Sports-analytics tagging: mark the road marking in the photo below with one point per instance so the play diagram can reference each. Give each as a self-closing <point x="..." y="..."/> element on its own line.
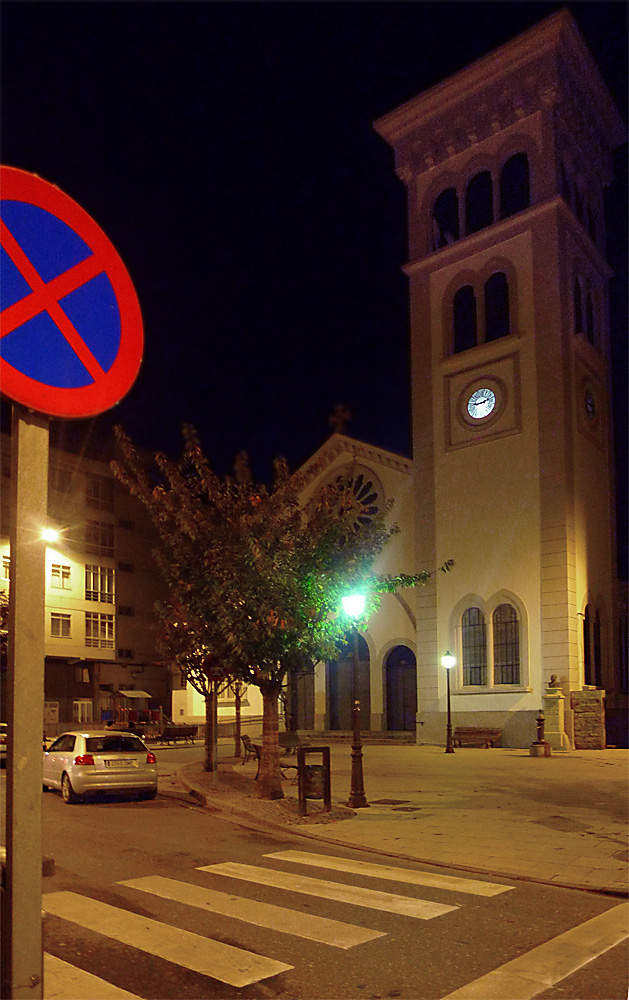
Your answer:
<point x="549" y="963"/>
<point x="406" y="875"/>
<point x="192" y="951"/>
<point x="63" y="981"/>
<point x="375" y="900"/>
<point x="276" y="918"/>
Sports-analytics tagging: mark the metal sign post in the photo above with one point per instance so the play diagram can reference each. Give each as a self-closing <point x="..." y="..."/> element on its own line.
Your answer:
<point x="22" y="958"/>
<point x="70" y="346"/>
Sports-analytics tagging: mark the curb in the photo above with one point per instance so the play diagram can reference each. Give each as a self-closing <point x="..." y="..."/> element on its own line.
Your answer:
<point x="262" y="825"/>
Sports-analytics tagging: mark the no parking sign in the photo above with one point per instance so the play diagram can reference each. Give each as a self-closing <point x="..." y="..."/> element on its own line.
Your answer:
<point x="70" y="323"/>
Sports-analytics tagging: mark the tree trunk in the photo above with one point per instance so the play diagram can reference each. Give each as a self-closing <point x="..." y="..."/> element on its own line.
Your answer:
<point x="270" y="777"/>
<point x="210" y="763"/>
<point x="237" y="734"/>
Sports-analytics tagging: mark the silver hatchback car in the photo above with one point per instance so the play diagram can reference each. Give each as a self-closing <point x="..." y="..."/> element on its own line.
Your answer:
<point x="81" y="762"/>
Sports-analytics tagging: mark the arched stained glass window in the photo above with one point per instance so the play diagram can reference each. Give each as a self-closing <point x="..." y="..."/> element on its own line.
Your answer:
<point x="497" y="307"/>
<point x="515" y="194"/>
<point x="474" y="647"/>
<point x="445" y="219"/>
<point x="506" y="636"/>
<point x="465" y="334"/>
<point x="479" y="207"/>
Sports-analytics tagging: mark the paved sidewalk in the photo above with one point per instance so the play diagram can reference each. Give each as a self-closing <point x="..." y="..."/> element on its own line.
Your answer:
<point x="561" y="820"/>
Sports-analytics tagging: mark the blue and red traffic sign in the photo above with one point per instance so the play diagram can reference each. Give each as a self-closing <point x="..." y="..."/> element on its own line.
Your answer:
<point x="70" y="322"/>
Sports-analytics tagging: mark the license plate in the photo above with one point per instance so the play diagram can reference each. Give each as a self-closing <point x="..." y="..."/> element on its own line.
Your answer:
<point x="125" y="762"/>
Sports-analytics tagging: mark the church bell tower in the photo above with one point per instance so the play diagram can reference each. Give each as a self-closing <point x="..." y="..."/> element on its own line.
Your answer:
<point x="506" y="165"/>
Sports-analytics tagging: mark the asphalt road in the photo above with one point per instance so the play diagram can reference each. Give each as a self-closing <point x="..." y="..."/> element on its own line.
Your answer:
<point x="100" y="844"/>
<point x="417" y="955"/>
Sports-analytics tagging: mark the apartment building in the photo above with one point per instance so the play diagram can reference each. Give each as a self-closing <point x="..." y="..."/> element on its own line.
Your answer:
<point x="101" y="587"/>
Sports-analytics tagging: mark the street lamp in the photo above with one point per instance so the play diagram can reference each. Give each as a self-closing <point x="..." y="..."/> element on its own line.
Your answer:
<point x="50" y="535"/>
<point x="354" y="606"/>
<point x="448" y="661"/>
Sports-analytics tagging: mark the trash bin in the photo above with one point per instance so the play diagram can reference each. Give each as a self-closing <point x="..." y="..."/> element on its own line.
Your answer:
<point x="313" y="781"/>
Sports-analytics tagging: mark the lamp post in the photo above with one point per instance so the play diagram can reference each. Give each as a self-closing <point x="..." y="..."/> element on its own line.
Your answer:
<point x="448" y="661"/>
<point x="354" y="606"/>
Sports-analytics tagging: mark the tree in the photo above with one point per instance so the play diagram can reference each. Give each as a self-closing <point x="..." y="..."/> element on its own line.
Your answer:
<point x="254" y="577"/>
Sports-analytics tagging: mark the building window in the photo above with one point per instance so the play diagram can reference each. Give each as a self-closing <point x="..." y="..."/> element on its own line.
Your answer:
<point x="60" y="480"/>
<point x="126" y="609"/>
<point x="445" y="219"/>
<point x="99" y="584"/>
<point x="100" y="492"/>
<point x="99" y="538"/>
<point x="479" y="211"/>
<point x="6" y="567"/>
<point x="125" y="567"/>
<point x="124" y="523"/>
<point x="99" y="630"/>
<point x="497" y="307"/>
<point x="464" y="319"/>
<point x="82" y="711"/>
<point x="515" y="192"/>
<point x="60" y="625"/>
<point x="506" y="642"/>
<point x="592" y="661"/>
<point x="60" y="576"/>
<point x="474" y="647"/>
<point x="125" y="654"/>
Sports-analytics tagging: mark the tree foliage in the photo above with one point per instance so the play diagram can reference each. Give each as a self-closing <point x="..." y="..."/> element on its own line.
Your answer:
<point x="254" y="577"/>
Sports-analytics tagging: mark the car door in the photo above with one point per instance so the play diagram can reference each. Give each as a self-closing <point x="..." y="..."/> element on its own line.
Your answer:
<point x="56" y="759"/>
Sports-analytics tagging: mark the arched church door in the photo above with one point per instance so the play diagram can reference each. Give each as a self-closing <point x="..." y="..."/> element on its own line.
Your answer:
<point x="401" y="679"/>
<point x="340" y="683"/>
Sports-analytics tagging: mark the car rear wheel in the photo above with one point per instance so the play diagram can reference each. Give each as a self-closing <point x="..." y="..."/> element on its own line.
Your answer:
<point x="67" y="792"/>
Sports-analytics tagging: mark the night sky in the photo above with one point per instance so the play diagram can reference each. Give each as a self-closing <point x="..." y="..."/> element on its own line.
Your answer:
<point x="227" y="150"/>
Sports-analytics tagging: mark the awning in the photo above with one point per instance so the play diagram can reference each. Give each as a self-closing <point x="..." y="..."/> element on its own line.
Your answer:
<point x="134" y="694"/>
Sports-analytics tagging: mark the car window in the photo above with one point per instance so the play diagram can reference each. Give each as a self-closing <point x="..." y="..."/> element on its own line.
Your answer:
<point x="114" y="744"/>
<point x="65" y="742"/>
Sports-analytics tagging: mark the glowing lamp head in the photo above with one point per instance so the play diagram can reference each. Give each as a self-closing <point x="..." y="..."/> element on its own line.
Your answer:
<point x="50" y="535"/>
<point x="354" y="605"/>
<point x="448" y="660"/>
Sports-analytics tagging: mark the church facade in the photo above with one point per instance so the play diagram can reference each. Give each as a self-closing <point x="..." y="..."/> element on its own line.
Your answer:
<point x="505" y="165"/>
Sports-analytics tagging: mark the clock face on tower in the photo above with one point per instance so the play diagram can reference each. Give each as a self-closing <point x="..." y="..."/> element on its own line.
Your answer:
<point x="481" y="403"/>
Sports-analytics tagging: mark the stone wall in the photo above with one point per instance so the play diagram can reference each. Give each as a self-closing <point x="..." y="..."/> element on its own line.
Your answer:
<point x="588" y="707"/>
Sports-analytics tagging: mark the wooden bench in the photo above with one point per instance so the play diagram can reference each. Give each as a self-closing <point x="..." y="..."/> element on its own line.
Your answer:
<point x="476" y="736"/>
<point x="252" y="750"/>
<point x="173" y="733"/>
<point x="290" y="741"/>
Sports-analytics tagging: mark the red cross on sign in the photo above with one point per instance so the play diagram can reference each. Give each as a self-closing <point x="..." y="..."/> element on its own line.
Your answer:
<point x="70" y="324"/>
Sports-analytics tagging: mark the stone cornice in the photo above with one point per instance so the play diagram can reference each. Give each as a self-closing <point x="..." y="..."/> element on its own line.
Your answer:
<point x="340" y="444"/>
<point x="546" y="67"/>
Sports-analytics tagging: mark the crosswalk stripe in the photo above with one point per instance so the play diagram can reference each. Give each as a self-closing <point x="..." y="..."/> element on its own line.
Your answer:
<point x="539" y="969"/>
<point x="200" y="954"/>
<point x="63" y="981"/>
<point x="276" y="918"/>
<point x="375" y="900"/>
<point x="392" y="874"/>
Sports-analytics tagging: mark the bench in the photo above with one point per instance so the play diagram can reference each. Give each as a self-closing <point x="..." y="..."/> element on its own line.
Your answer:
<point x="476" y="736"/>
<point x="290" y="741"/>
<point x="253" y="751"/>
<point x="173" y="733"/>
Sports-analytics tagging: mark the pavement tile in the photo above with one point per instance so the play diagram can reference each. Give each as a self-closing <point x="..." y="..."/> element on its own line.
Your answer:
<point x="496" y="811"/>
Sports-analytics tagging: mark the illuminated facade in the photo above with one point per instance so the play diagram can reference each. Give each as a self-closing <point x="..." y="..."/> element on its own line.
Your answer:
<point x="101" y="586"/>
<point x="506" y="165"/>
